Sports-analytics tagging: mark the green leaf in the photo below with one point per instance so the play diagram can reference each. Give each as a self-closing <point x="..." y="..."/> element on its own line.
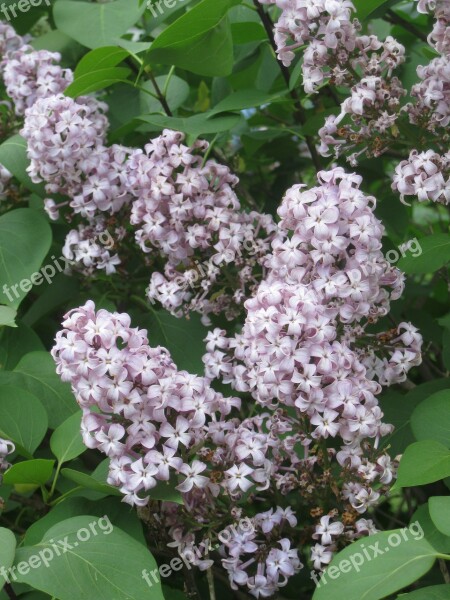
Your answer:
<point x="440" y="513"/>
<point x="435" y="254"/>
<point x="395" y="561"/>
<point x="121" y="515"/>
<point x="244" y="33"/>
<point x="438" y="540"/>
<point x="434" y="592"/>
<point x="62" y="290"/>
<point x="372" y="8"/>
<point x="96" y="80"/>
<point x="66" y="442"/>
<point x="100" y="58"/>
<point x="243" y="99"/>
<point x="25" y="238"/>
<point x="37" y="471"/>
<point x="22" y="417"/>
<point x="199" y="41"/>
<point x="177" y="335"/>
<point x="8" y="316"/>
<point x="165" y="490"/>
<point x="15" y="343"/>
<point x="431" y="419"/>
<point x="37" y="373"/>
<point x="177" y="92"/>
<point x="13" y="155"/>
<point x="105" y="566"/>
<point x="7" y="550"/>
<point x="423" y="462"/>
<point x="96" y="24"/>
<point x="196" y="125"/>
<point x="88" y="482"/>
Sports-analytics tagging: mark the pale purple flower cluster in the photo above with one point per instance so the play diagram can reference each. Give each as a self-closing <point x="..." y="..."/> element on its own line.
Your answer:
<point x="304" y="343"/>
<point x="370" y="114"/>
<point x="439" y="38"/>
<point x="188" y="213"/>
<point x="65" y="140"/>
<point x="9" y="40"/>
<point x="6" y="448"/>
<point x="325" y="27"/>
<point x="257" y="558"/>
<point x="83" y="246"/>
<point x="334" y="49"/>
<point x="31" y="74"/>
<point x="148" y="415"/>
<point x="432" y="107"/>
<point x="307" y="315"/>
<point x="425" y="175"/>
<point x="5" y="178"/>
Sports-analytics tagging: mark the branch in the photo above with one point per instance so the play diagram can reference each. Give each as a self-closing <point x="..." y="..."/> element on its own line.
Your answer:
<point x="160" y="95"/>
<point x="299" y="114"/>
<point x="444" y="570"/>
<point x="10" y="592"/>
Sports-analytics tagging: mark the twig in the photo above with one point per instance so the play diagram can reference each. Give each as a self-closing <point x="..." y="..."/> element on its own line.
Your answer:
<point x="160" y="95"/>
<point x="212" y="589"/>
<point x="10" y="592"/>
<point x="444" y="570"/>
<point x="299" y="114"/>
<point x="395" y="19"/>
<point x="190" y="585"/>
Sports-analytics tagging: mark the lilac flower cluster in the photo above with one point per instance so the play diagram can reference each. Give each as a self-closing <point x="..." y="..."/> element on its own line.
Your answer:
<point x="30" y="74"/>
<point x="272" y="560"/>
<point x="65" y="141"/>
<point x="325" y="27"/>
<point x="5" y="178"/>
<point x="189" y="214"/>
<point x="370" y="115"/>
<point x="324" y="278"/>
<point x="334" y="49"/>
<point x="424" y="175"/>
<point x="6" y="448"/>
<point x="150" y="414"/>
<point x="304" y="342"/>
<point x="368" y="119"/>
<point x="432" y="107"/>
<point x="439" y="38"/>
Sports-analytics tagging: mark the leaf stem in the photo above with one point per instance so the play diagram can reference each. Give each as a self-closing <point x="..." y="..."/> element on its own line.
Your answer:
<point x="167" y="82"/>
<point x="10" y="592"/>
